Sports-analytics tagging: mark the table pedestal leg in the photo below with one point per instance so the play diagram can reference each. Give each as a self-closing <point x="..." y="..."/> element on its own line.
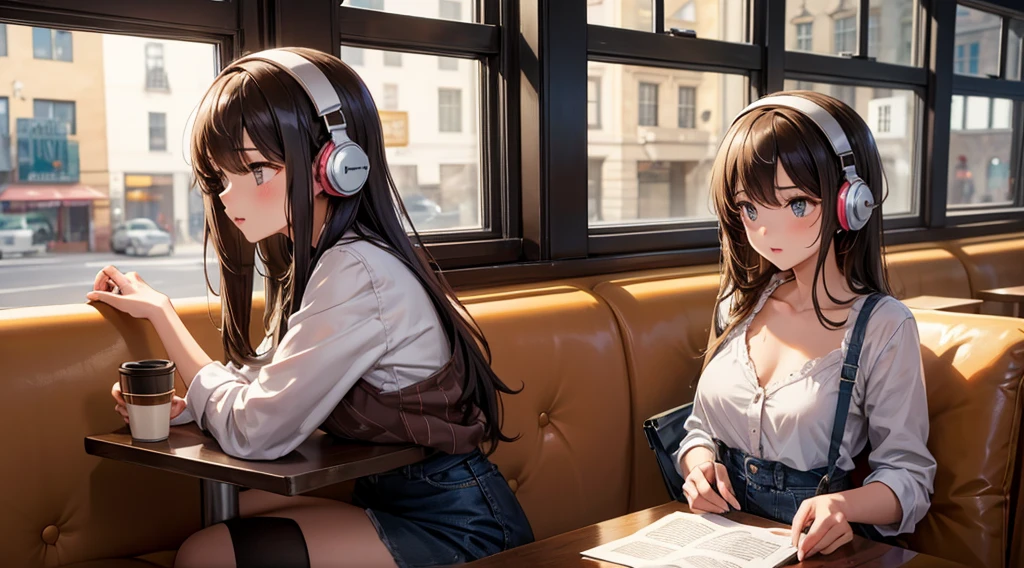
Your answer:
<point x="219" y="501"/>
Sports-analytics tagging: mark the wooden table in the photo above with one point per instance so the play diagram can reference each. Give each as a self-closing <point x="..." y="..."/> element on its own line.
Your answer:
<point x="965" y="305"/>
<point x="563" y="551"/>
<point x="1012" y="294"/>
<point x="320" y="461"/>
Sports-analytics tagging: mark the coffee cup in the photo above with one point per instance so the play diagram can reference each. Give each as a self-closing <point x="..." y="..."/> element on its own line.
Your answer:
<point x="148" y="387"/>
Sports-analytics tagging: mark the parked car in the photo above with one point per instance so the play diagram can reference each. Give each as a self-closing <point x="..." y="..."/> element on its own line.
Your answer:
<point x="140" y="236"/>
<point x="24" y="233"/>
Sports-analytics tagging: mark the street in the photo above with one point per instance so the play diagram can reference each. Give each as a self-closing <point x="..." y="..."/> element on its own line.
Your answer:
<point x="50" y="279"/>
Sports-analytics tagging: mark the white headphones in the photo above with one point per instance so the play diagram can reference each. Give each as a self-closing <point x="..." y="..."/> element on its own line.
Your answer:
<point x="855" y="202"/>
<point x="341" y="166"/>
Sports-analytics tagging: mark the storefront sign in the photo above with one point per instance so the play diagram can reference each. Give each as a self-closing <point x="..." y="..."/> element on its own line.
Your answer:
<point x="395" y="124"/>
<point x="44" y="152"/>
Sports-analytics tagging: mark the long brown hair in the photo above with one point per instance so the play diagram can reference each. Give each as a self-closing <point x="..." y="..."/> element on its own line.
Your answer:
<point x="282" y="122"/>
<point x="749" y="156"/>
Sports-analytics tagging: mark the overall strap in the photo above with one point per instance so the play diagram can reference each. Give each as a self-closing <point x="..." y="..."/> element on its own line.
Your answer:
<point x="847" y="378"/>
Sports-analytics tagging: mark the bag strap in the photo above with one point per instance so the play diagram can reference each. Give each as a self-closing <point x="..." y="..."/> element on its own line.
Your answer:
<point x="847" y="379"/>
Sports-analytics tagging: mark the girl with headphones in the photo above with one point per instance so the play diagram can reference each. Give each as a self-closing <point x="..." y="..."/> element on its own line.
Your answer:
<point x="363" y="338"/>
<point x="811" y="360"/>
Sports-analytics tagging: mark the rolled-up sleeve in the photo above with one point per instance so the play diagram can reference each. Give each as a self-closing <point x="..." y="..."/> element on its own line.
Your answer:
<point x="332" y="341"/>
<point x="696" y="435"/>
<point x="896" y="407"/>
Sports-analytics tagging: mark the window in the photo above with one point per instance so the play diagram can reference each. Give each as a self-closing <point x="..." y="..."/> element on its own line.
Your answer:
<point x="448" y="63"/>
<point x="156" y="75"/>
<point x="352" y="55"/>
<point x="390" y="96"/>
<point x="3" y="40"/>
<point x="711" y="19"/>
<point x="60" y="110"/>
<point x="450" y="10"/>
<point x="392" y="59"/>
<point x="449" y="110"/>
<point x="977" y="40"/>
<point x="846" y="35"/>
<point x="643" y="176"/>
<point x="5" y="118"/>
<point x="893" y="120"/>
<point x="648" y="108"/>
<point x="51" y="44"/>
<point x="687" y="13"/>
<point x="804" y="36"/>
<point x="687" y="107"/>
<point x="906" y="54"/>
<point x="594" y="102"/>
<point x="884" y="119"/>
<point x="873" y="33"/>
<point x="157" y="132"/>
<point x="370" y="4"/>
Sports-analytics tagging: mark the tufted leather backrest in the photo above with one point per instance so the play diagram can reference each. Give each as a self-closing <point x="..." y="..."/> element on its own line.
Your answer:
<point x="562" y="345"/>
<point x="664" y="321"/>
<point x="974" y="369"/>
<point x="930" y="271"/>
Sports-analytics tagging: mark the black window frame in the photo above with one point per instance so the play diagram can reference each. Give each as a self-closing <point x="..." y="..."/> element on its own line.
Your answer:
<point x="534" y="126"/>
<point x="480" y="42"/>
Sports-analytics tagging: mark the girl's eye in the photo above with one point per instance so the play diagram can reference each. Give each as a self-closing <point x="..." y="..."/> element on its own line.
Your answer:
<point x="749" y="210"/>
<point x="800" y="207"/>
<point x="263" y="172"/>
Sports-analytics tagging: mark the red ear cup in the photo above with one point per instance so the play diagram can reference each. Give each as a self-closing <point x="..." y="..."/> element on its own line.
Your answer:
<point x="320" y="168"/>
<point x="841" y="206"/>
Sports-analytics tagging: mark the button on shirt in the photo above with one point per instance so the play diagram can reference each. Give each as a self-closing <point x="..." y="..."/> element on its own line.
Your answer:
<point x="790" y="420"/>
<point x="364" y="315"/>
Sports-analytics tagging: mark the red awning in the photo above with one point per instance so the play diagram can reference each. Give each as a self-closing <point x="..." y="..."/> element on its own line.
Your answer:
<point x="34" y="192"/>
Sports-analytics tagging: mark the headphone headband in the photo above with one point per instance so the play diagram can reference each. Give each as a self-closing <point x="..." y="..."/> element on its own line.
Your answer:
<point x="309" y="77"/>
<point x="819" y="116"/>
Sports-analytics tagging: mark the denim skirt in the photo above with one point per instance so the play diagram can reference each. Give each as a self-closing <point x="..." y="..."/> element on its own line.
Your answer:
<point x="447" y="509"/>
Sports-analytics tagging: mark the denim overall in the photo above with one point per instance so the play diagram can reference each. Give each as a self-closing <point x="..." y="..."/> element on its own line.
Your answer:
<point x="773" y="490"/>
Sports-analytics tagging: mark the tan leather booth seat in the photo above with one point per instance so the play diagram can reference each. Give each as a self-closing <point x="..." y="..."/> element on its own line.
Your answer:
<point x="664" y="323"/>
<point x="992" y="263"/>
<point x="562" y="346"/>
<point x="974" y="368"/>
<point x="926" y="271"/>
<point x="595" y="357"/>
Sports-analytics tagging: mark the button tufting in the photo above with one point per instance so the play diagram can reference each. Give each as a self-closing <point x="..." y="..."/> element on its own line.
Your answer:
<point x="543" y="420"/>
<point x="513" y="485"/>
<point x="50" y="534"/>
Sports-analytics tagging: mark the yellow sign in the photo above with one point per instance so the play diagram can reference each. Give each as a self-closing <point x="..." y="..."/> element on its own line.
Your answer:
<point x="138" y="181"/>
<point x="395" y="124"/>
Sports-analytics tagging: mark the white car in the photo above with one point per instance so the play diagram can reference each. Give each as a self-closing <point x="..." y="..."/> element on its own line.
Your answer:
<point x="140" y="236"/>
<point x="22" y="233"/>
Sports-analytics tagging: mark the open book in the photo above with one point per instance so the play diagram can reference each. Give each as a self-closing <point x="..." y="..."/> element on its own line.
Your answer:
<point x="685" y="540"/>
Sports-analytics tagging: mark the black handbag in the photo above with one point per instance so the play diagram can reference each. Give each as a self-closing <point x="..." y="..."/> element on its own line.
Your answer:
<point x="664" y="432"/>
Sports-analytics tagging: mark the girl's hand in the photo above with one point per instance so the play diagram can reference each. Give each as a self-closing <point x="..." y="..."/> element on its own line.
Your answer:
<point x="829" y="527"/>
<point x="177" y="403"/>
<point x="700" y="493"/>
<point x="128" y="293"/>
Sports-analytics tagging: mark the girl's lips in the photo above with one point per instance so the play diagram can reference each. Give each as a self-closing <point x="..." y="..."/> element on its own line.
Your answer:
<point x="239" y="220"/>
<point x="776" y="250"/>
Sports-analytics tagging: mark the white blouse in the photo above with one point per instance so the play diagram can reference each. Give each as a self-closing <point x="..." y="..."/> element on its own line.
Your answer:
<point x="790" y="420"/>
<point x="364" y="315"/>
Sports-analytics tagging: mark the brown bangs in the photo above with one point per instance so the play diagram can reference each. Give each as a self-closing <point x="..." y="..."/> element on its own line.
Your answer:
<point x="762" y="141"/>
<point x="220" y="123"/>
